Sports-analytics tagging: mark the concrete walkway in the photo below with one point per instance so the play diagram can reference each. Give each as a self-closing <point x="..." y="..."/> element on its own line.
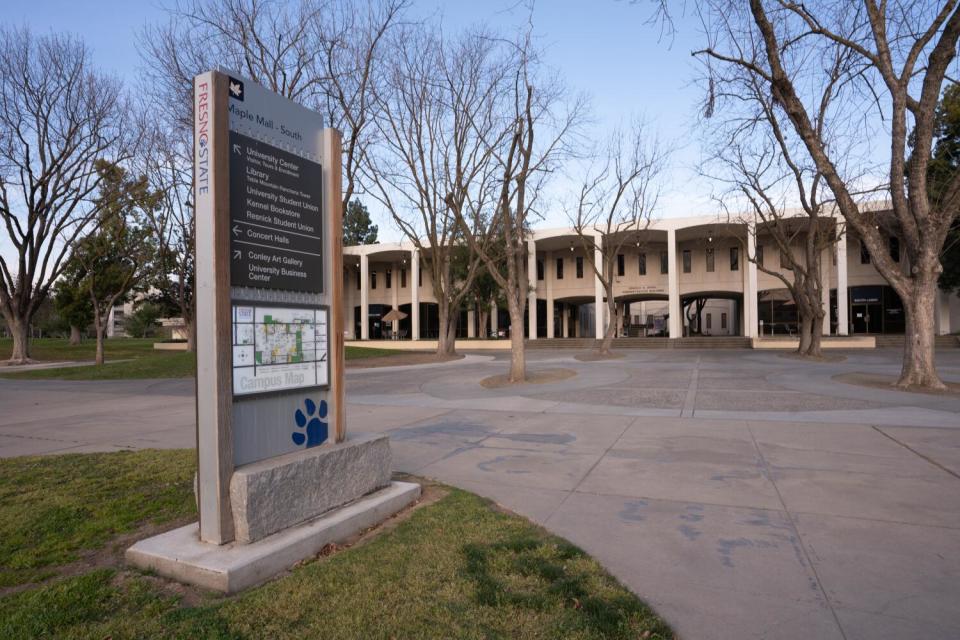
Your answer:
<point x="742" y="494"/>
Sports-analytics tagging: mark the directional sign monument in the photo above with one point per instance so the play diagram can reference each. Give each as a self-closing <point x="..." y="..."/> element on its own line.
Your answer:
<point x="276" y="475"/>
<point x="269" y="311"/>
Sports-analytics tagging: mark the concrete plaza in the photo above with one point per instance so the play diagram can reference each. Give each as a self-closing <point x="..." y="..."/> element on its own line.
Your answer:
<point x="743" y="494"/>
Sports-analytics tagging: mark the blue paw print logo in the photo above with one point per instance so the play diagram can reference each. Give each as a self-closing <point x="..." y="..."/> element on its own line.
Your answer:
<point x="311" y="420"/>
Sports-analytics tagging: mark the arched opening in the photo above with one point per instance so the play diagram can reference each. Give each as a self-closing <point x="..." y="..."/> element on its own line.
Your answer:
<point x="712" y="313"/>
<point x="573" y="317"/>
<point x="643" y="316"/>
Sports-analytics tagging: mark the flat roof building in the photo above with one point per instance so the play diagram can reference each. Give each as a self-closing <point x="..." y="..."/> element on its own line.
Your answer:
<point x="677" y="277"/>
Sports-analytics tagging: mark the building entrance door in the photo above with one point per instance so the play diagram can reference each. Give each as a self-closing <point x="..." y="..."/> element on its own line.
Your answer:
<point x="867" y="318"/>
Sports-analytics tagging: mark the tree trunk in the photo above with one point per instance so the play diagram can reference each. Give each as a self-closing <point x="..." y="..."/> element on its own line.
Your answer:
<point x="447" y="336"/>
<point x="20" y="332"/>
<point x="919" y="365"/>
<point x="191" y="330"/>
<point x="518" y="356"/>
<point x="75" y="336"/>
<point x="815" y="350"/>
<point x="101" y="328"/>
<point x="806" y="328"/>
<point x="611" y="329"/>
<point x="483" y="330"/>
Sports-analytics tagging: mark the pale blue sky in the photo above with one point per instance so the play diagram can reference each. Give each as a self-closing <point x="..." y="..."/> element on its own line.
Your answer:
<point x="601" y="47"/>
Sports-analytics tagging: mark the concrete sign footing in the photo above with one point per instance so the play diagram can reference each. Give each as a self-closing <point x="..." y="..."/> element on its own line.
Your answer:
<point x="229" y="568"/>
<point x="283" y="491"/>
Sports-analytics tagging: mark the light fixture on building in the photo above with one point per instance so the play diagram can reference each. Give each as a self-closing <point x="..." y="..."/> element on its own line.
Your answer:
<point x="571" y="245"/>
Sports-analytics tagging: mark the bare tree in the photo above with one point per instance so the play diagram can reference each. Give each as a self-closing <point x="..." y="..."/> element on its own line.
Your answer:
<point x="321" y="54"/>
<point x="614" y="205"/>
<point x="354" y="38"/>
<point x="58" y="116"/>
<point x="541" y="124"/>
<point x="900" y="54"/>
<point x="440" y="125"/>
<point x="766" y="166"/>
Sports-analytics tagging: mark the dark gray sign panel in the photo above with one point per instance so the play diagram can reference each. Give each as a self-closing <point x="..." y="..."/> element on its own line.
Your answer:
<point x="276" y="222"/>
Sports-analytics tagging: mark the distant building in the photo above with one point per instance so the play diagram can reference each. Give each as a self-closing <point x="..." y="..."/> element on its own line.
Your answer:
<point x="662" y="271"/>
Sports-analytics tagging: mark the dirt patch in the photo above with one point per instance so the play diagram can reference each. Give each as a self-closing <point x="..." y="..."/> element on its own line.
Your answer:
<point x="887" y="383"/>
<point x="596" y="356"/>
<point x="400" y="359"/>
<point x="535" y="377"/>
<point x="826" y="357"/>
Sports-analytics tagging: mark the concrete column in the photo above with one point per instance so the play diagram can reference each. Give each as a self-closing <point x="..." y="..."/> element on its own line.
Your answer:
<point x="532" y="284"/>
<point x="673" y="287"/>
<point x="826" y="258"/>
<point x="843" y="321"/>
<point x="599" y="325"/>
<point x="494" y="320"/>
<point x="750" y="317"/>
<point x="565" y="321"/>
<point x="364" y="297"/>
<point x="548" y="283"/>
<point x="394" y="286"/>
<point x="348" y="299"/>
<point x="471" y="323"/>
<point x="414" y="294"/>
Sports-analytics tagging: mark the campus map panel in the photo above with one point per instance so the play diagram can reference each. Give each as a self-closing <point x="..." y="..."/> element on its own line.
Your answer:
<point x="279" y="348"/>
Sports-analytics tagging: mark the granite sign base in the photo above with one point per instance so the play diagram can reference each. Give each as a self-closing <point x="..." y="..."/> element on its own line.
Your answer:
<point x="277" y="493"/>
<point x="230" y="568"/>
<point x="285" y="509"/>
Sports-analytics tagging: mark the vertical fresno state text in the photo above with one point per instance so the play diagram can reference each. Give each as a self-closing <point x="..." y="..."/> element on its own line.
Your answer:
<point x="202" y="125"/>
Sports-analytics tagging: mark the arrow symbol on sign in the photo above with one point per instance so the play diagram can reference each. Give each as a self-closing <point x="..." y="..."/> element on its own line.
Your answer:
<point x="236" y="148"/>
<point x="236" y="254"/>
<point x="236" y="230"/>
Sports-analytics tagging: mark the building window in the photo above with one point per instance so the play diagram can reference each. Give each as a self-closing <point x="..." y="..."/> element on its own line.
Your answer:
<point x="864" y="253"/>
<point x="539" y="269"/>
<point x="710" y="262"/>
<point x="784" y="260"/>
<point x="734" y="258"/>
<point x="723" y="320"/>
<point x="709" y="321"/>
<point x="579" y="266"/>
<point x="687" y="260"/>
<point x="420" y="276"/>
<point x="559" y="268"/>
<point x="358" y="279"/>
<point x="664" y="261"/>
<point x="389" y="278"/>
<point x="403" y="278"/>
<point x="642" y="263"/>
<point x="620" y="264"/>
<point x="373" y="279"/>
<point x="759" y="255"/>
<point x="895" y="248"/>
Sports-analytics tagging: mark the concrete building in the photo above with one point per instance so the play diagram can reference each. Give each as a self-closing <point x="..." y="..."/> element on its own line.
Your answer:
<point x="663" y="274"/>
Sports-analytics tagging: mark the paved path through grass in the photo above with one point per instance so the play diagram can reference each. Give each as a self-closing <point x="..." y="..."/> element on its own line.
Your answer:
<point x="783" y="504"/>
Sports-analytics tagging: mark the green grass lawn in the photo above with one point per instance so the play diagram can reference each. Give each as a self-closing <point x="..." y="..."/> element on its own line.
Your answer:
<point x="458" y="567"/>
<point x="140" y="360"/>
